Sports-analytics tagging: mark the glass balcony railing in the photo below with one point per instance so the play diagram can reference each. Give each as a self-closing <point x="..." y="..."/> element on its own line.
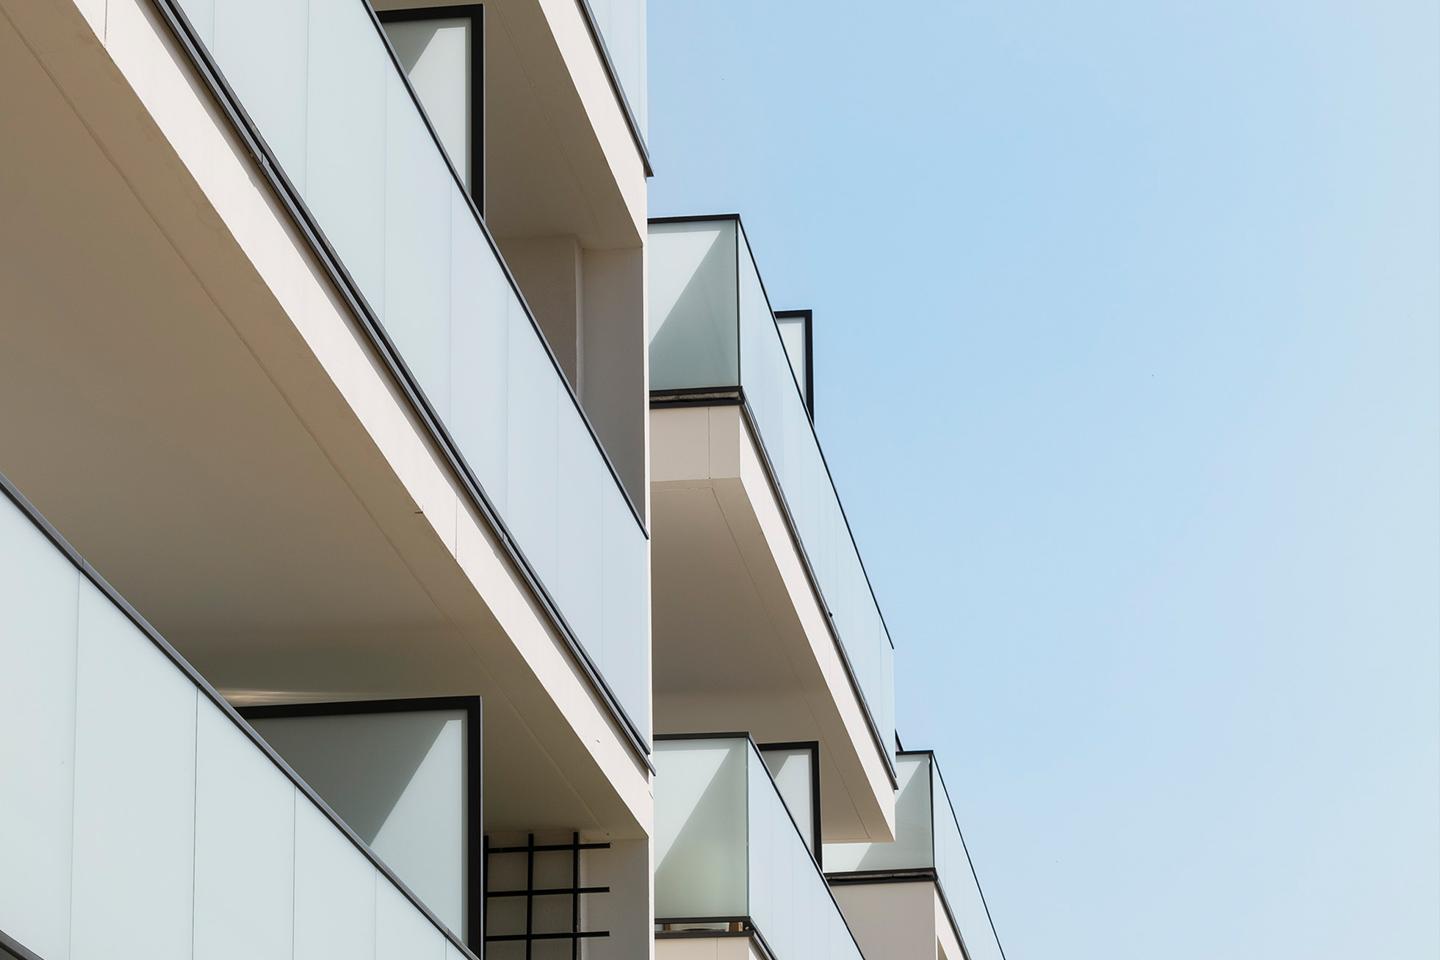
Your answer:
<point x="621" y="24"/>
<point x="727" y="851"/>
<point x="142" y="814"/>
<point x="320" y="84"/>
<point x="928" y="840"/>
<point x="712" y="329"/>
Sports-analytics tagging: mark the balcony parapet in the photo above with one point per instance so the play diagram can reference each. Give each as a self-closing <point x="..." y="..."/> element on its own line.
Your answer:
<point x="729" y="857"/>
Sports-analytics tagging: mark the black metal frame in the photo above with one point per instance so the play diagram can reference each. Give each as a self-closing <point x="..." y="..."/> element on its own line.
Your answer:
<point x="575" y="891"/>
<point x="807" y="318"/>
<point x="475" y="13"/>
<point x="814" y="747"/>
<point x="754" y="931"/>
<point x="389" y="355"/>
<point x="474" y="774"/>
<point x="734" y="395"/>
<point x="11" y="492"/>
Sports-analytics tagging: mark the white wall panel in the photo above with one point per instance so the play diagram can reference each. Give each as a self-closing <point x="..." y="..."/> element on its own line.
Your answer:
<point x="261" y="46"/>
<point x="334" y="891"/>
<point x="345" y="139"/>
<point x="417" y="245"/>
<point x="534" y="389"/>
<point x="134" y="791"/>
<point x="401" y="931"/>
<point x="481" y="304"/>
<point x="38" y="597"/>
<point x="244" y="846"/>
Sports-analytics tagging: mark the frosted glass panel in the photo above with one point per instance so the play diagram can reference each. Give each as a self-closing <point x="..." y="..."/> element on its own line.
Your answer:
<point x="531" y="455"/>
<point x="957" y="879"/>
<point x="244" y="846"/>
<point x="581" y="515"/>
<point x="38" y="595"/>
<point x="345" y="124"/>
<point x="134" y="791"/>
<point x="911" y="849"/>
<point x="417" y="245"/>
<point x="401" y="931"/>
<point x="693" y="338"/>
<point x="789" y="899"/>
<point x="481" y="304"/>
<point x="700" y="828"/>
<point x="436" y="57"/>
<point x="398" y="780"/>
<point x="792" y="335"/>
<point x="334" y="891"/>
<point x="725" y="847"/>
<point x="261" y="47"/>
<point x="793" y="769"/>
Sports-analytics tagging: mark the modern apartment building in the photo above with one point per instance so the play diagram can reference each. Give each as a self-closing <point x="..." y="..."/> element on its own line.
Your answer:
<point x="407" y="548"/>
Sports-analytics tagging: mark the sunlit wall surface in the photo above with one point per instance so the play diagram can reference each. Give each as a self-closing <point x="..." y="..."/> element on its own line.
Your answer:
<point x="726" y="848"/>
<point x="927" y="837"/>
<point x="142" y="816"/>
<point x="711" y="326"/>
<point x="318" y="80"/>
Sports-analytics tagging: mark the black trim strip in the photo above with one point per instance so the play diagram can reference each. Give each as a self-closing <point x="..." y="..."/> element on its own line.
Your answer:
<point x="389" y="355"/>
<point x="613" y="75"/>
<point x="474" y="773"/>
<point x="10" y="947"/>
<point x="210" y="693"/>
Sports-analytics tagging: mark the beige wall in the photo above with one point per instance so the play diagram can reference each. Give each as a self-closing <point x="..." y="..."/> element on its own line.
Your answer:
<point x="707" y="948"/>
<point x="895" y="921"/>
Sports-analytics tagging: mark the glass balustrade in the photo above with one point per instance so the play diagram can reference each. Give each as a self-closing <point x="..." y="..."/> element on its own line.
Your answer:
<point x="622" y="28"/>
<point x="712" y="328"/>
<point x="927" y="837"/>
<point x="317" y="79"/>
<point x="142" y="814"/>
<point x="727" y="850"/>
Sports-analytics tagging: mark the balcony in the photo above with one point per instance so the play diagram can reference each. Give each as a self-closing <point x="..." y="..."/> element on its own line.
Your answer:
<point x="369" y="169"/>
<point x="297" y="410"/>
<point x="928" y="849"/>
<point x="729" y="859"/>
<point x="143" y="815"/>
<point x="758" y="584"/>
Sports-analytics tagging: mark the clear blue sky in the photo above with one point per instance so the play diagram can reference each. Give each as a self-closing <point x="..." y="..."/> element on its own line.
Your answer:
<point x="1129" y="373"/>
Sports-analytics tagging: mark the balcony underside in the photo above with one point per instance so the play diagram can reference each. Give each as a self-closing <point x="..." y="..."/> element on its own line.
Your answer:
<point x="740" y="640"/>
<point x="184" y="396"/>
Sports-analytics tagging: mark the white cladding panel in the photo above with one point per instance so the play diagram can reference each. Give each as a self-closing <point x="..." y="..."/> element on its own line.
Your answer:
<point x="38" y="597"/>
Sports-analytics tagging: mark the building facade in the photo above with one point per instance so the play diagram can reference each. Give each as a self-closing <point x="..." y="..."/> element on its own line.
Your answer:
<point x="407" y="547"/>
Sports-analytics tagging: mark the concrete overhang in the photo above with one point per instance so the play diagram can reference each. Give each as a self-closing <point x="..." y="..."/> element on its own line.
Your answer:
<point x="741" y="640"/>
